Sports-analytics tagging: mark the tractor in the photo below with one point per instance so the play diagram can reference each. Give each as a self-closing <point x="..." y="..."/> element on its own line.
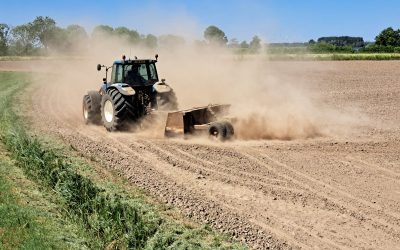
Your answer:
<point x="132" y="92"/>
<point x="135" y="91"/>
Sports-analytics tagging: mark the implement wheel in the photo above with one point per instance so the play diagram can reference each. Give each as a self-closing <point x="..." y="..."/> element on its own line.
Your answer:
<point x="217" y="131"/>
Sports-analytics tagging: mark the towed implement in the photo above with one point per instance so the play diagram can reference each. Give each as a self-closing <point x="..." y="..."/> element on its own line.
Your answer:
<point x="208" y="118"/>
<point x="134" y="91"/>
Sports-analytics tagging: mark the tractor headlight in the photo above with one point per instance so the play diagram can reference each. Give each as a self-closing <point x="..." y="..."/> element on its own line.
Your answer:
<point x="128" y="90"/>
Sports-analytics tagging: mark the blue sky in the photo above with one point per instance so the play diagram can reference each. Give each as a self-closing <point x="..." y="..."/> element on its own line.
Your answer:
<point x="273" y="20"/>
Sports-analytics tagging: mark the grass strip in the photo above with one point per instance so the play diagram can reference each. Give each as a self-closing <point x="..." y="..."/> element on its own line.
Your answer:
<point x="335" y="56"/>
<point x="28" y="220"/>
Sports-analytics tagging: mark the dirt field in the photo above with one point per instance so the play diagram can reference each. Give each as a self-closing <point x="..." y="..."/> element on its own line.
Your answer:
<point x="334" y="191"/>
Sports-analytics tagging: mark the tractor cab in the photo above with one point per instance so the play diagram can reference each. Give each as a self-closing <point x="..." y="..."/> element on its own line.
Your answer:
<point x="134" y="72"/>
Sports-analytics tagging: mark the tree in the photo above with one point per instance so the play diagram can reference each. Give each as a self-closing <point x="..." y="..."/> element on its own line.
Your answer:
<point x="324" y="47"/>
<point x="311" y="41"/>
<point x="132" y="36"/>
<point x="24" y="39"/>
<point x="44" y="28"/>
<point x="102" y="31"/>
<point x="76" y="33"/>
<point x="388" y="37"/>
<point x="244" y="45"/>
<point x="215" y="36"/>
<point x="255" y="44"/>
<point x="59" y="40"/>
<point x="343" y="41"/>
<point x="77" y="38"/>
<point x="233" y="43"/>
<point x="150" y="41"/>
<point x="4" y="38"/>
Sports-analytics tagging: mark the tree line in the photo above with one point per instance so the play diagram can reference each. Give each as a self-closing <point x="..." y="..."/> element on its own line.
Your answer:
<point x="42" y="36"/>
<point x="216" y="36"/>
<point x="387" y="41"/>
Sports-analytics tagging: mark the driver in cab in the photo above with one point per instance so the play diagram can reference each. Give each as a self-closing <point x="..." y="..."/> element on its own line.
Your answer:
<point x="133" y="76"/>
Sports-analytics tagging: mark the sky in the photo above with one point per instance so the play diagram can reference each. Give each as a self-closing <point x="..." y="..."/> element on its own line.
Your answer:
<point x="272" y="20"/>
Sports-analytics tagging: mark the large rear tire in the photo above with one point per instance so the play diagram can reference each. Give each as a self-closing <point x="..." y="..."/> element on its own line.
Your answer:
<point x="91" y="107"/>
<point x="115" y="110"/>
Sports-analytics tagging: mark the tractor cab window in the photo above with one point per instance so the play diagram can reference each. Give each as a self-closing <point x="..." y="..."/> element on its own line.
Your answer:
<point x="143" y="71"/>
<point x="153" y="72"/>
<point x="136" y="73"/>
<point x="117" y="73"/>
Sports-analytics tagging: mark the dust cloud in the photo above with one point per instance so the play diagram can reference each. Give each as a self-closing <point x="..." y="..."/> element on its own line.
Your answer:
<point x="264" y="103"/>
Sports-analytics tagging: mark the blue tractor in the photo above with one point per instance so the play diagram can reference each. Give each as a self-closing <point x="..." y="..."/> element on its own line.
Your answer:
<point x="133" y="91"/>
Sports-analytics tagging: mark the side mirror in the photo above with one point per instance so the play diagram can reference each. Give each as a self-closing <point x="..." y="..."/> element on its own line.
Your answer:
<point x="98" y="67"/>
<point x="156" y="57"/>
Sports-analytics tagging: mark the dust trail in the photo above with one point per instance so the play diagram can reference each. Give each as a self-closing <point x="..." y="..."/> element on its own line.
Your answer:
<point x="264" y="105"/>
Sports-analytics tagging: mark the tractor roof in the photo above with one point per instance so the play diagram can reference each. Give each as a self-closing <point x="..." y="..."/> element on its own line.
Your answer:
<point x="135" y="61"/>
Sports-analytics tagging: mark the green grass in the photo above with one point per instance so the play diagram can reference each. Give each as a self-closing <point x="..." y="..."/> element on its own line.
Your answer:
<point x="336" y="56"/>
<point x="111" y="219"/>
<point x="29" y="215"/>
<point x="297" y="54"/>
<point x="27" y="219"/>
<point x="20" y="226"/>
<point x="31" y="58"/>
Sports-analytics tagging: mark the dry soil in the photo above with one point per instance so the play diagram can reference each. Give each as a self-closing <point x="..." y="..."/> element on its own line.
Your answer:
<point x="337" y="190"/>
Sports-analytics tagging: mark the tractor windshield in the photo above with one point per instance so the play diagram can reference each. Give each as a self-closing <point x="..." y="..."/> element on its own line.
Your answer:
<point x="140" y="73"/>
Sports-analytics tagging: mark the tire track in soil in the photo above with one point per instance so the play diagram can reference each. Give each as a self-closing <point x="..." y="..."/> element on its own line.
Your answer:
<point x="178" y="158"/>
<point x="343" y="204"/>
<point x="377" y="169"/>
<point x="175" y="156"/>
<point x="287" y="222"/>
<point x="309" y="179"/>
<point x="393" y="216"/>
<point x="186" y="180"/>
<point x="329" y="244"/>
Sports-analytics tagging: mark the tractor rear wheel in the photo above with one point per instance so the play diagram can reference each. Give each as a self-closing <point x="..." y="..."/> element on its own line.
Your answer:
<point x="115" y="110"/>
<point x="91" y="107"/>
